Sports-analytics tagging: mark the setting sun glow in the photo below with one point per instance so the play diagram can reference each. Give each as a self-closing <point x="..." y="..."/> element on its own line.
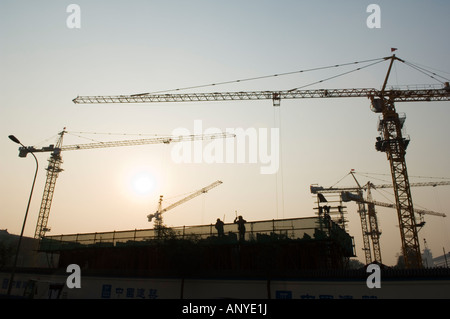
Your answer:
<point x="143" y="183"/>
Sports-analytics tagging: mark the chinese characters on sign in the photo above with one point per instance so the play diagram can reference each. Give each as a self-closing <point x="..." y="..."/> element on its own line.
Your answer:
<point x="120" y="292"/>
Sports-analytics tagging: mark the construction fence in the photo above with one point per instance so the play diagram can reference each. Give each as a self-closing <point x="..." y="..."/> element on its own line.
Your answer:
<point x="296" y="228"/>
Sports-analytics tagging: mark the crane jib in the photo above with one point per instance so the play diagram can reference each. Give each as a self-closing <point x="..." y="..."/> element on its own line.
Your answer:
<point x="399" y="95"/>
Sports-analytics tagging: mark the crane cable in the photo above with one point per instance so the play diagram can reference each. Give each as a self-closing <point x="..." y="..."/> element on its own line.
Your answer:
<point x="83" y="137"/>
<point x="414" y="176"/>
<point x="378" y="60"/>
<point x="431" y="74"/>
<point x="339" y="180"/>
<point x="264" y="77"/>
<point x="380" y="191"/>
<point x="76" y="134"/>
<point x="335" y="76"/>
<point x="279" y="173"/>
<point x="46" y="140"/>
<point x="124" y="134"/>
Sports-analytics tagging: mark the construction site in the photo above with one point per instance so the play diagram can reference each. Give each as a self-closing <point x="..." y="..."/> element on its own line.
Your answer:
<point x="270" y="258"/>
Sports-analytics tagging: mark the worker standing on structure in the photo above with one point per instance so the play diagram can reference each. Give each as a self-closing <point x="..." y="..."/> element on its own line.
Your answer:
<point x="219" y="227"/>
<point x="241" y="227"/>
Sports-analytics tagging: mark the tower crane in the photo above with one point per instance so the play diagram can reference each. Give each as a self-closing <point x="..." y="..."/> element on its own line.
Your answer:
<point x="320" y="189"/>
<point x="347" y="196"/>
<point x="374" y="233"/>
<point x="55" y="161"/>
<point x="158" y="214"/>
<point x="391" y="139"/>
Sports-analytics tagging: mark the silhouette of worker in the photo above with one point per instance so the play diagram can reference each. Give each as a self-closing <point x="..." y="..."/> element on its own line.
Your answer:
<point x="241" y="227"/>
<point x="219" y="227"/>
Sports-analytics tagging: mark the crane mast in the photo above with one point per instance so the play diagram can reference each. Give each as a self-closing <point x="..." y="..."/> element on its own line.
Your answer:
<point x="53" y="170"/>
<point x="374" y="231"/>
<point x="373" y="226"/>
<point x="391" y="141"/>
<point x="55" y="162"/>
<point x="394" y="145"/>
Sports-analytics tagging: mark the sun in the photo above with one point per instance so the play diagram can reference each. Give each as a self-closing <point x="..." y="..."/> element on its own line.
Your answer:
<point x="143" y="183"/>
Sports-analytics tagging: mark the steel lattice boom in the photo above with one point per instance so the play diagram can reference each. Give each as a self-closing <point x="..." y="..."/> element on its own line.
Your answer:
<point x="400" y="95"/>
<point x="347" y="196"/>
<point x="320" y="189"/>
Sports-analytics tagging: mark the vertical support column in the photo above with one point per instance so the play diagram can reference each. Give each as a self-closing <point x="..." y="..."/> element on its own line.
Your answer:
<point x="374" y="233"/>
<point x="394" y="144"/>
<point x="365" y="233"/>
<point x="53" y="170"/>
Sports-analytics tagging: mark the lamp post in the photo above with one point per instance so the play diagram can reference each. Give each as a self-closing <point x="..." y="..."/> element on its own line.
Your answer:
<point x="15" y="140"/>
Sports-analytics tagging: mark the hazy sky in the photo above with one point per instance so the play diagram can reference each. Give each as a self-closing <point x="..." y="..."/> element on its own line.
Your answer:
<point x="126" y="47"/>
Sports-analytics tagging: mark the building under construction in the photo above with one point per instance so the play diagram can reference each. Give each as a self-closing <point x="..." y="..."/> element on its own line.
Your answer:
<point x="277" y="259"/>
<point x="270" y="247"/>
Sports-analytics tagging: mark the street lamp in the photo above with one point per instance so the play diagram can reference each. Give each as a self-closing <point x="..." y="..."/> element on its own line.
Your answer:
<point x="15" y="140"/>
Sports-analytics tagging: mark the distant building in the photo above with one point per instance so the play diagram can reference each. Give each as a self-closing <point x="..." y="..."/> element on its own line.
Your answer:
<point x="427" y="258"/>
<point x="442" y="261"/>
<point x="28" y="254"/>
<point x="3" y="232"/>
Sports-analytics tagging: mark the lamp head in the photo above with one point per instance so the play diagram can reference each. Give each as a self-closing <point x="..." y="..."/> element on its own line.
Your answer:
<point x="14" y="139"/>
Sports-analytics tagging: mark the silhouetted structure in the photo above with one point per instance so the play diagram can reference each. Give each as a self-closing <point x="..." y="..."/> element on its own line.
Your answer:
<point x="273" y="247"/>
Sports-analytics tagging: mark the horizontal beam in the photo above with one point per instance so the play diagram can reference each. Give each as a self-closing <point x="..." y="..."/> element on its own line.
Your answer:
<point x="23" y="151"/>
<point x="320" y="189"/>
<point x="400" y="95"/>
